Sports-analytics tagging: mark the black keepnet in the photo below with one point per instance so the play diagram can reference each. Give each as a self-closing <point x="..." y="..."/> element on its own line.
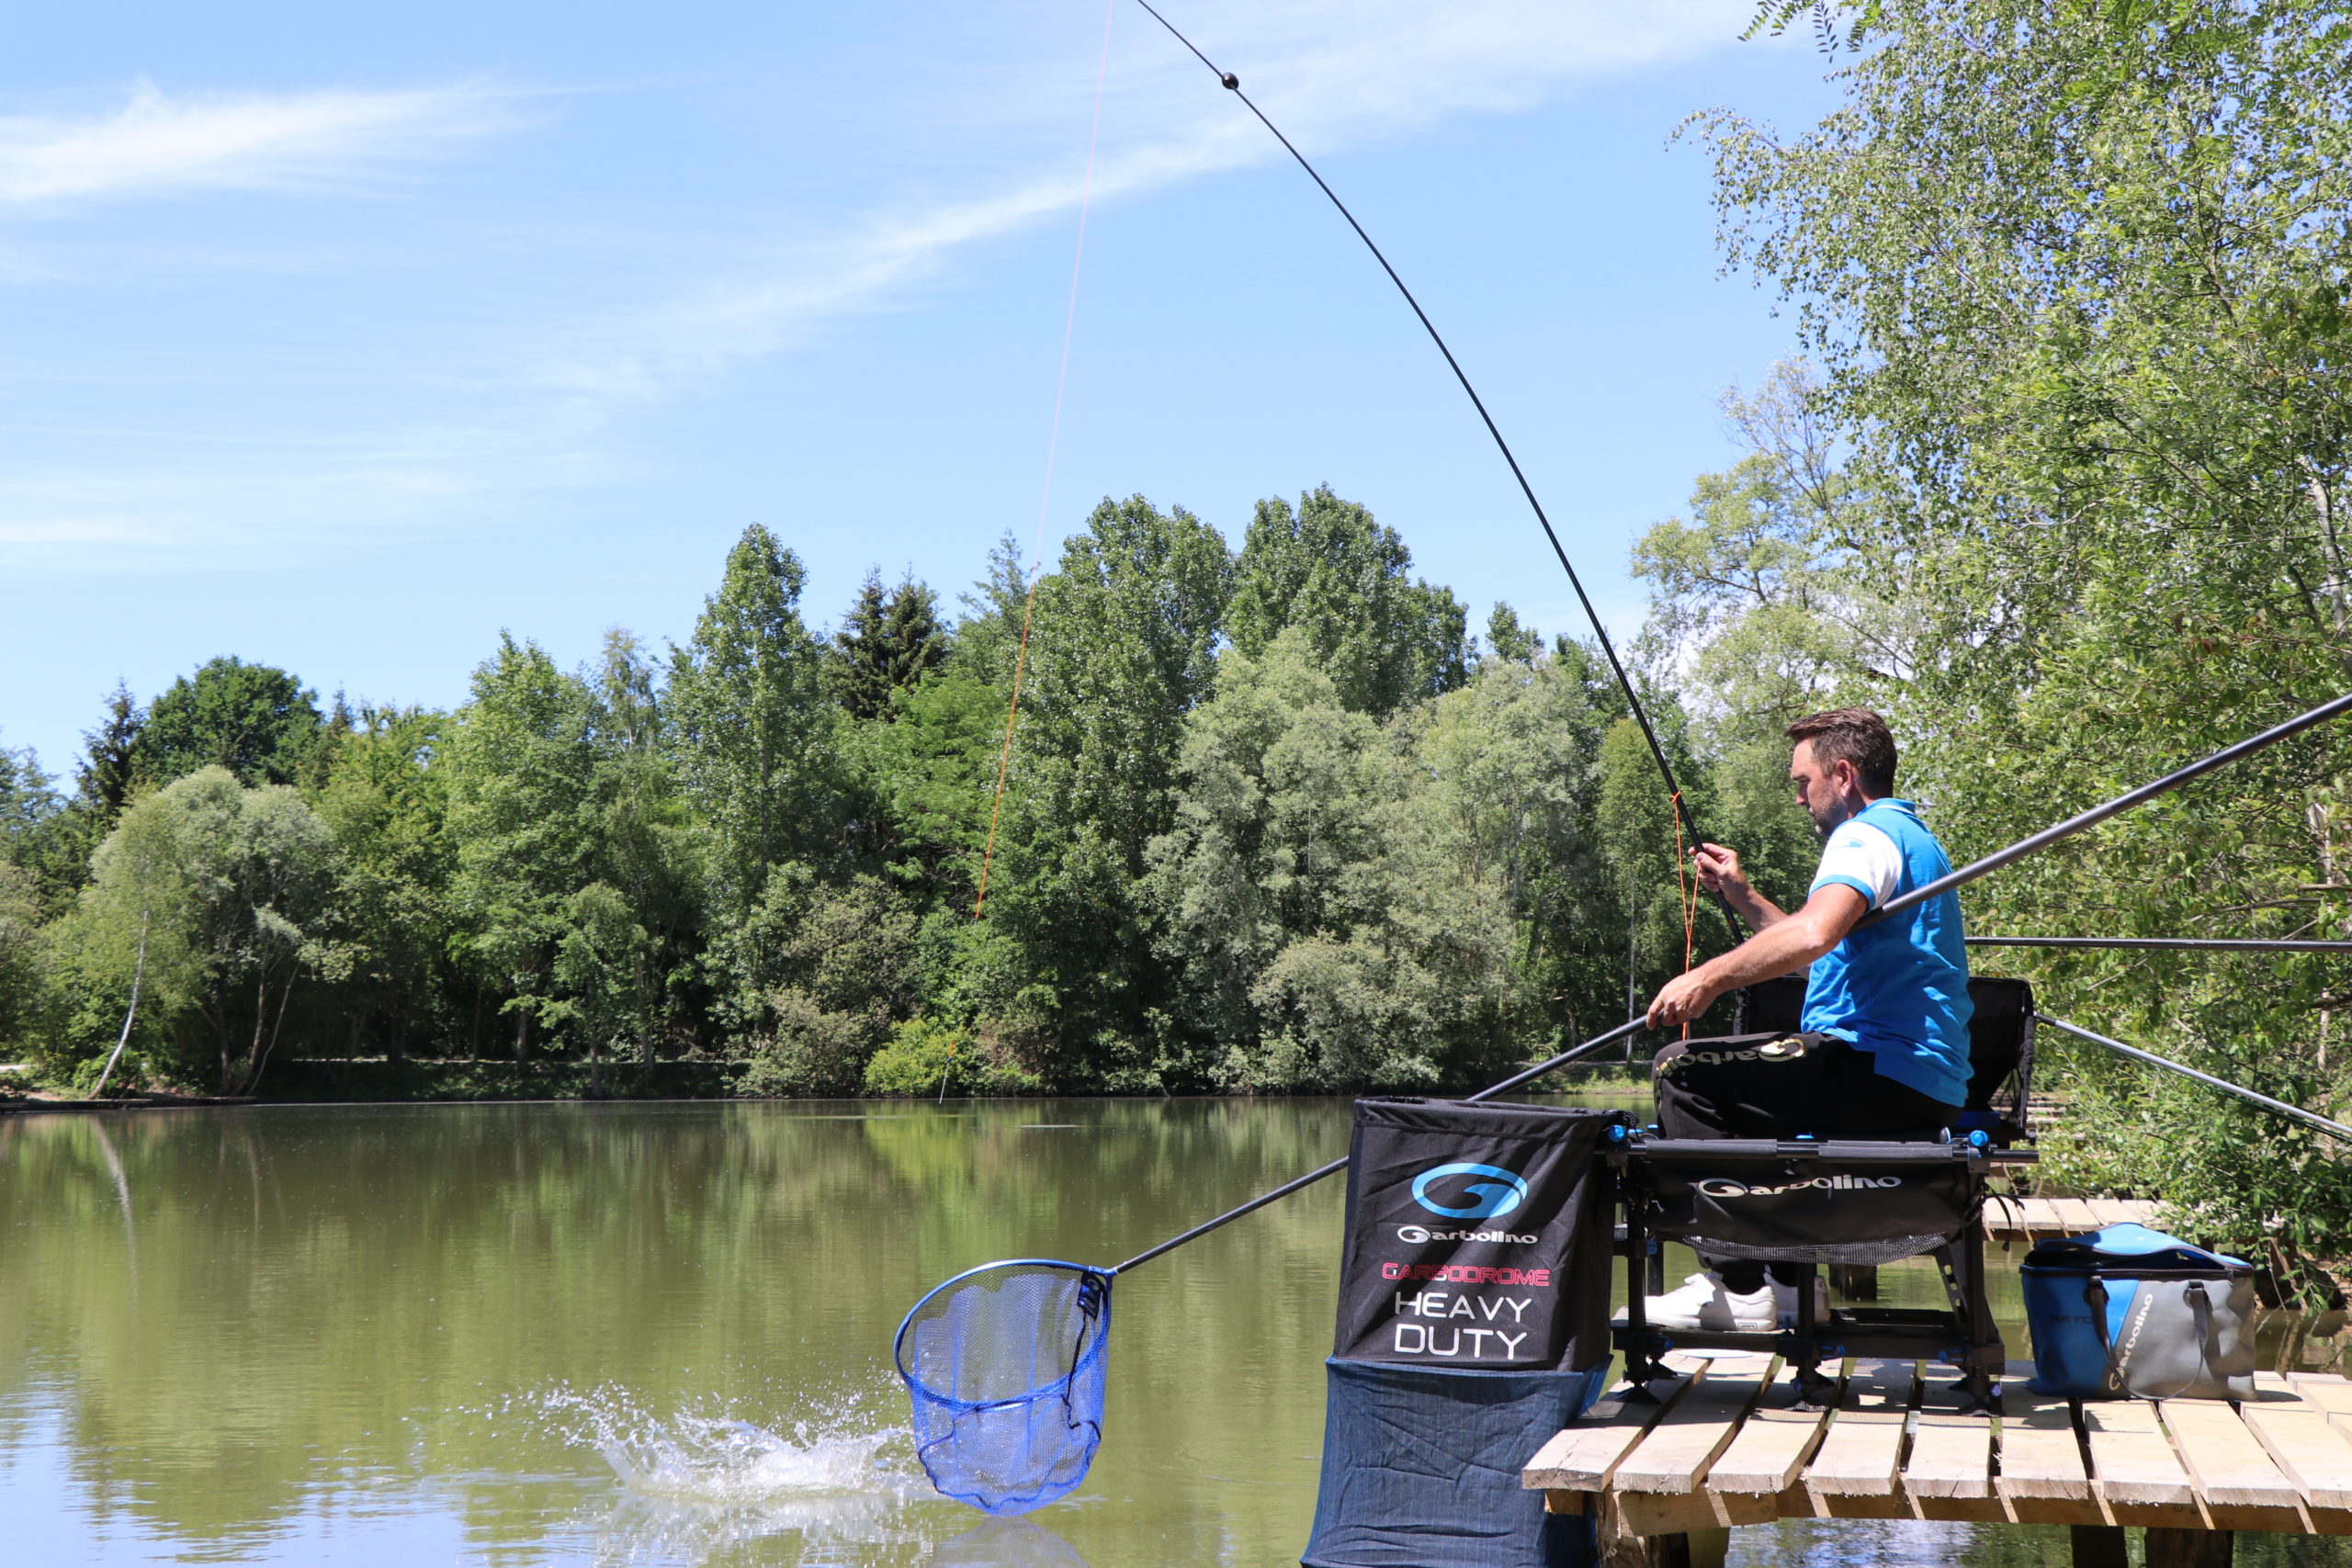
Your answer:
<point x="1849" y="1203"/>
<point x="1477" y="1237"/>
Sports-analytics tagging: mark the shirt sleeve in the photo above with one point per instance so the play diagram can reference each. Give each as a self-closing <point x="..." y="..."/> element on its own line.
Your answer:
<point x="1863" y="858"/>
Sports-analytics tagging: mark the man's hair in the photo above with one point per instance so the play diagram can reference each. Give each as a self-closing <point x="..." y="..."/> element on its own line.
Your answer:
<point x="1857" y="736"/>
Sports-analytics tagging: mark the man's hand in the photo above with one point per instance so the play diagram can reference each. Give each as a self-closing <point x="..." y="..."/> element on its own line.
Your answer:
<point x="1719" y="869"/>
<point x="1682" y="999"/>
<point x="1790" y="943"/>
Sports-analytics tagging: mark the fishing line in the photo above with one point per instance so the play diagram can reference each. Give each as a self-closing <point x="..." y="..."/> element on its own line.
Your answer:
<point x="1053" y="447"/>
<point x="1232" y="84"/>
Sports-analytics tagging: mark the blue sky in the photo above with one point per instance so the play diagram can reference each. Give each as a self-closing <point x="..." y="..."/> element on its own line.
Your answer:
<point x="341" y="338"/>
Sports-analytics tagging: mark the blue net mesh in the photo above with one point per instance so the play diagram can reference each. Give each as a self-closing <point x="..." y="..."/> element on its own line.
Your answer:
<point x="1005" y="1367"/>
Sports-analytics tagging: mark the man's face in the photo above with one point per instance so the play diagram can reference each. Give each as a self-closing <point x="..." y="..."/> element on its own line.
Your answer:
<point x="1827" y="793"/>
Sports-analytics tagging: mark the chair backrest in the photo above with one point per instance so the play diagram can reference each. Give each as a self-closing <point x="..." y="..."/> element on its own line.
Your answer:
<point x="2000" y="1034"/>
<point x="2000" y="1043"/>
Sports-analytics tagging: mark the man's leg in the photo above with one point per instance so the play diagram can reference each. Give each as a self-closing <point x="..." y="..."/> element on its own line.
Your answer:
<point x="1767" y="1086"/>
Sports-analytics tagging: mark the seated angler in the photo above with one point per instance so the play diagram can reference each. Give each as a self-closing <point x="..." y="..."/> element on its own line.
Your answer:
<point x="1884" y="1047"/>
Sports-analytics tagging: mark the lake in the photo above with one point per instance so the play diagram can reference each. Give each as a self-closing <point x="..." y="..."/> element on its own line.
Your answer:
<point x="660" y="1333"/>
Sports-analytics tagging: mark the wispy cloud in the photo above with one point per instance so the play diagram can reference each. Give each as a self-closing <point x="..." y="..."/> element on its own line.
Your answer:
<point x="156" y="143"/>
<point x="1332" y="73"/>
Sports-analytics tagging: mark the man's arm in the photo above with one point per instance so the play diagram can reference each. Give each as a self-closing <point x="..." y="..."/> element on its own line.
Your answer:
<point x="1790" y="943"/>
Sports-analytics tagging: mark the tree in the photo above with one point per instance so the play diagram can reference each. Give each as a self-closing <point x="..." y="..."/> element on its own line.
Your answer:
<point x="1331" y="570"/>
<point x="1358" y="904"/>
<point x="257" y="721"/>
<point x="110" y="754"/>
<point x="387" y="802"/>
<point x="887" y="643"/>
<point x="1506" y="639"/>
<point x="1121" y="650"/>
<point x="522" y="820"/>
<point x="234" y="887"/>
<point x="2075" y="275"/>
<point x="752" y="737"/>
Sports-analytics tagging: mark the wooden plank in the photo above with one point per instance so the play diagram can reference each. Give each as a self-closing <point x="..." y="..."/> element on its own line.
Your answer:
<point x="2134" y="1470"/>
<point x="1684" y="1442"/>
<point x="1680" y="1513"/>
<point x="1772" y="1445"/>
<point x="2307" y="1447"/>
<point x="2241" y="1488"/>
<point x="2273" y="1388"/>
<point x="2041" y="1478"/>
<point x="1580" y="1456"/>
<point x="1864" y="1447"/>
<point x="1951" y="1454"/>
<point x="2331" y="1393"/>
<point x="2075" y="1214"/>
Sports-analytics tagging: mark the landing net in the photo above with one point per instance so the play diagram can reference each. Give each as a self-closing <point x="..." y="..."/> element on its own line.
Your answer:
<point x="1005" y="1366"/>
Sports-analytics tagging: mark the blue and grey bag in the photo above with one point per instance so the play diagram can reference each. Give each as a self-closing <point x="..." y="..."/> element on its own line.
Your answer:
<point x="2129" y="1312"/>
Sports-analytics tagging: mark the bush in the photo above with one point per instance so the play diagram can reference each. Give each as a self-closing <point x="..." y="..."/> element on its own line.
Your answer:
<point x="925" y="1056"/>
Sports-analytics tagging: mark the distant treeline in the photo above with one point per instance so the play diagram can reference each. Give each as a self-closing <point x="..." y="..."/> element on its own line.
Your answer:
<point x="2063" y="487"/>
<point x="1272" y="820"/>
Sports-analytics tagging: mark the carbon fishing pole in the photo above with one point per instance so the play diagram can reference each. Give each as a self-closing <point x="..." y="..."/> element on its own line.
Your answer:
<point x="2168" y="944"/>
<point x="2278" y="1106"/>
<point x="1232" y="84"/>
<point x="2097" y="814"/>
<point x="1312" y="1176"/>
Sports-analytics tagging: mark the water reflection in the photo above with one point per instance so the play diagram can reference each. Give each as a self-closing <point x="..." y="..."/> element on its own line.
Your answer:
<point x="660" y="1334"/>
<point x="1006" y="1543"/>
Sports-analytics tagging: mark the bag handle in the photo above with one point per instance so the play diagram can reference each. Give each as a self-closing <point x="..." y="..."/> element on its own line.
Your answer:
<point x="2200" y="1312"/>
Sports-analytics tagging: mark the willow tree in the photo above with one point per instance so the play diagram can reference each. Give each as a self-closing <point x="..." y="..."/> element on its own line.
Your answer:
<point x="2077" y="272"/>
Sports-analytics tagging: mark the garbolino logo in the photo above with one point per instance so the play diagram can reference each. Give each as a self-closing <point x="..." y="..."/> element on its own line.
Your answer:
<point x="1722" y="1186"/>
<point x="1489" y="1199"/>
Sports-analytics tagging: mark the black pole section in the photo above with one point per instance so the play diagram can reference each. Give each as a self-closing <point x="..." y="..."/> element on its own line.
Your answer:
<point x="2280" y="1106"/>
<point x="2166" y="943"/>
<point x="2097" y="814"/>
<point x="1312" y="1176"/>
<point x="1232" y="84"/>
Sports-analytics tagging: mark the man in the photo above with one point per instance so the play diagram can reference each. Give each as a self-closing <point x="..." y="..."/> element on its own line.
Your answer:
<point x="1884" y="1051"/>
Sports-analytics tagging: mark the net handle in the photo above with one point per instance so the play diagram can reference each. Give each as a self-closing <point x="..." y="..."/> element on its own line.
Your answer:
<point x="1312" y="1176"/>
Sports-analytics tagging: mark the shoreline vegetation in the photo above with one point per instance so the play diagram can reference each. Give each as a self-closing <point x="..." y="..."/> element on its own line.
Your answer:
<point x="2059" y="479"/>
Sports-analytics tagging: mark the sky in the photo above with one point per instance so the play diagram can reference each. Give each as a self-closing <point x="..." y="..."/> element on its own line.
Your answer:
<point x="344" y="338"/>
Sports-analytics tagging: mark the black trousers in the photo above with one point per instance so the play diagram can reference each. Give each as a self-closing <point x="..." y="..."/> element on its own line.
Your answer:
<point x="1780" y="1086"/>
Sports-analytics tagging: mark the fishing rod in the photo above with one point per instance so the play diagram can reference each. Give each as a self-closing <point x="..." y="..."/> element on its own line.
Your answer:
<point x="2097" y="814"/>
<point x="1967" y="874"/>
<point x="1622" y="1031"/>
<point x="1232" y="84"/>
<point x="2137" y="1055"/>
<point x="2167" y="943"/>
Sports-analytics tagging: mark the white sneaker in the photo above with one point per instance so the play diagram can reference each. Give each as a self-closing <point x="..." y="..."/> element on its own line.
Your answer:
<point x="1784" y="1301"/>
<point x="1702" y="1304"/>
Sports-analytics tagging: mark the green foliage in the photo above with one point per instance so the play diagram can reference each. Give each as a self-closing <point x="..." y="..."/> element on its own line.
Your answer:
<point x="1358" y="903"/>
<point x="2077" y="277"/>
<point x="230" y="891"/>
<point x="751" y="724"/>
<point x="1506" y="639"/>
<point x="1331" y="570"/>
<point x="924" y="1056"/>
<point x="257" y="721"/>
<point x="889" y="642"/>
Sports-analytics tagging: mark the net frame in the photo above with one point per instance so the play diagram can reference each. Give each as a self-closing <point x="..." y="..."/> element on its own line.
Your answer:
<point x="949" y="1426"/>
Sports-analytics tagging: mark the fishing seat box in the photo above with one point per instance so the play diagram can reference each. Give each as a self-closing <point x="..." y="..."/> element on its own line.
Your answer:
<point x="1473" y="1324"/>
<point x="1838" y="1201"/>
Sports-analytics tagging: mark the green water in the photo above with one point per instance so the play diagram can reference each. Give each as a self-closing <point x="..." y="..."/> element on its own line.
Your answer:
<point x="657" y="1333"/>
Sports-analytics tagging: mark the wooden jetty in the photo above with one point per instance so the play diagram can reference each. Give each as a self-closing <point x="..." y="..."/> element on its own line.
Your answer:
<point x="1724" y="1444"/>
<point x="2008" y="1220"/>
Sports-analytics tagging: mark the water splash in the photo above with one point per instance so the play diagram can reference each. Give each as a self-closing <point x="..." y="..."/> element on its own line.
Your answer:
<point x="697" y="1483"/>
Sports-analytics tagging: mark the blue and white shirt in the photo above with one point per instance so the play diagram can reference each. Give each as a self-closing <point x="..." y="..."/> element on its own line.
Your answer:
<point x="1897" y="989"/>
